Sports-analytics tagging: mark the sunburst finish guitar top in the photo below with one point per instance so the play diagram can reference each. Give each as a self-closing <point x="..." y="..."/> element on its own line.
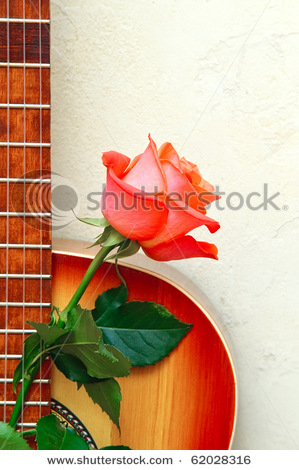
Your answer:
<point x="187" y="401"/>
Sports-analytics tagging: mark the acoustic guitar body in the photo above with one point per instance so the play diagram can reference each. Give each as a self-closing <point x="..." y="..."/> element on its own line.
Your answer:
<point x="187" y="401"/>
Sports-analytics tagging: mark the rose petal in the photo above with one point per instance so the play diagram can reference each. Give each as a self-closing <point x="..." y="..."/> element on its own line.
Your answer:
<point x="180" y="221"/>
<point x="205" y="196"/>
<point x="147" y="173"/>
<point x="132" y="163"/>
<point x="115" y="160"/>
<point x="135" y="214"/>
<point x="180" y="188"/>
<point x="192" y="171"/>
<point x="167" y="152"/>
<point x="181" y="248"/>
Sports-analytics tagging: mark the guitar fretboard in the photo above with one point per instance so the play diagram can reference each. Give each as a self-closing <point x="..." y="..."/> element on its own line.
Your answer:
<point x="25" y="207"/>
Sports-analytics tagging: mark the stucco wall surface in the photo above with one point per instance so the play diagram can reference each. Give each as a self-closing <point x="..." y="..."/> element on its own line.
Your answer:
<point x="218" y="79"/>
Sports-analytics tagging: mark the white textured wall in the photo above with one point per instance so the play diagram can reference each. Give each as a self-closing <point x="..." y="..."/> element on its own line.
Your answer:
<point x="218" y="79"/>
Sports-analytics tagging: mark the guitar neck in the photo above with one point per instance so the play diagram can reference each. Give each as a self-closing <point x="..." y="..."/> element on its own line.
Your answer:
<point x="25" y="207"/>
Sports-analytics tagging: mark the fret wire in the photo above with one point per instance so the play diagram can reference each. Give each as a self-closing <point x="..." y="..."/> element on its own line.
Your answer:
<point x="25" y="180"/>
<point x="26" y="425"/>
<point x="25" y="105"/>
<point x="25" y="20"/>
<point x="24" y="64"/>
<point x="25" y="245"/>
<point x="10" y="356"/>
<point x="43" y="381"/>
<point x="16" y="331"/>
<point x="25" y="276"/>
<point x="27" y="403"/>
<point x="25" y="214"/>
<point x="25" y="304"/>
<point x="25" y="144"/>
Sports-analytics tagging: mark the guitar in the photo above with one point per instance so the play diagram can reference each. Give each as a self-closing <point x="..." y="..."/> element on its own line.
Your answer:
<point x="188" y="401"/>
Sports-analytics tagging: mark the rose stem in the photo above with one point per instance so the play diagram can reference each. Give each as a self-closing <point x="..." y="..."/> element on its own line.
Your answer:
<point x="96" y="262"/>
<point x="17" y="410"/>
<point x="30" y="432"/>
<point x="94" y="265"/>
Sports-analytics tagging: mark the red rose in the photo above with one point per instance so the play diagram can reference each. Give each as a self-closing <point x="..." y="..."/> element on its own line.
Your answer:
<point x="156" y="199"/>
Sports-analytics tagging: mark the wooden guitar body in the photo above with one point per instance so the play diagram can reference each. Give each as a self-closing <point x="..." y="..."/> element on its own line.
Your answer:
<point x="187" y="401"/>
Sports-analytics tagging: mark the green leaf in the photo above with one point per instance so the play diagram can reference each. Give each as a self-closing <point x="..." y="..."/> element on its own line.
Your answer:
<point x="109" y="301"/>
<point x="72" y="368"/>
<point x="115" y="448"/>
<point x="31" y="349"/>
<point x="52" y="435"/>
<point x="54" y="311"/>
<point x="106" y="393"/>
<point x="11" y="439"/>
<point x="127" y="248"/>
<point x="72" y="441"/>
<point x="109" y="237"/>
<point x="123" y="362"/>
<point x="85" y="342"/>
<point x="97" y="363"/>
<point x="102" y="222"/>
<point x="114" y="238"/>
<point x="102" y="237"/>
<point x="49" y="334"/>
<point x="145" y="332"/>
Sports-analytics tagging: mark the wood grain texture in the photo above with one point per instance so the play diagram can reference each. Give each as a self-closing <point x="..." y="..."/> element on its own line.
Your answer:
<point x="185" y="402"/>
<point x="23" y="161"/>
<point x="20" y="232"/>
<point x="23" y="42"/>
<point x="30" y="125"/>
<point x="15" y="318"/>
<point x="25" y="197"/>
<point x="34" y="93"/>
<point x="31" y="7"/>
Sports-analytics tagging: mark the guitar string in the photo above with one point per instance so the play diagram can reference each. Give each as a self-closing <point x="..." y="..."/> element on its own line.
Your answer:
<point x="40" y="200"/>
<point x="24" y="210"/>
<point x="7" y="221"/>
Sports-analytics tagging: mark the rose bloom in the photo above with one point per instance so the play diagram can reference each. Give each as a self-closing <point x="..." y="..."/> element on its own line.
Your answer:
<point x="156" y="199"/>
